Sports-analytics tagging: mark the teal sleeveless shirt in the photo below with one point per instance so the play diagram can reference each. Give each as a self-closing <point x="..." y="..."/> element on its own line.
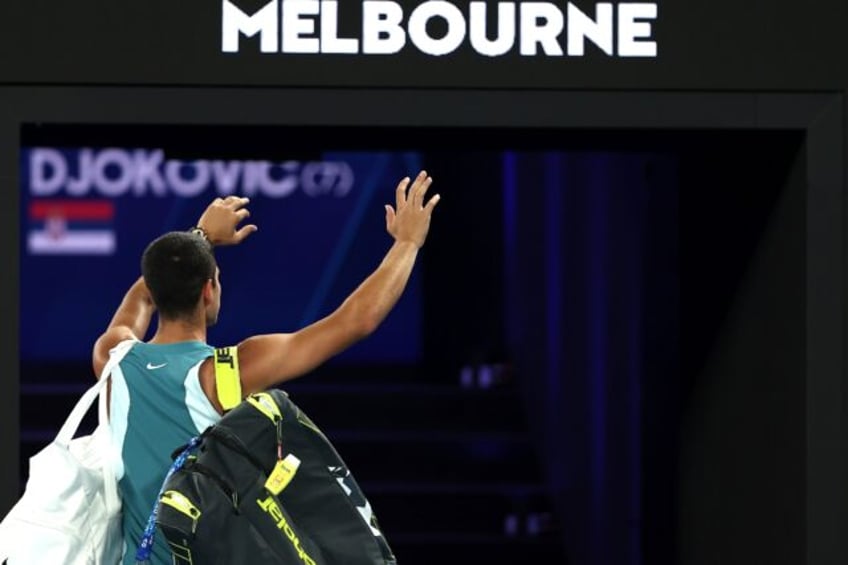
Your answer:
<point x="156" y="405"/>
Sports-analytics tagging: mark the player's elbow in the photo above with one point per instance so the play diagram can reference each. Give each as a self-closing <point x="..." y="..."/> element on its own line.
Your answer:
<point x="361" y="319"/>
<point x="366" y="321"/>
<point x="368" y="324"/>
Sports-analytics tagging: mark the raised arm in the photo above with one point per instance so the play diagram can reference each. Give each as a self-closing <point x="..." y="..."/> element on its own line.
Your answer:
<point x="266" y="360"/>
<point x="130" y="321"/>
<point x="219" y="225"/>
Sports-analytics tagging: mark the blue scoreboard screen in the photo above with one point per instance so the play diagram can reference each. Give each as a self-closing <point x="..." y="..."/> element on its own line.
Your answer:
<point x="88" y="213"/>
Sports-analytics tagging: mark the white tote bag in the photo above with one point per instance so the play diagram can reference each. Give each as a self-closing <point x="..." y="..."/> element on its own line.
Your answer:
<point x="70" y="513"/>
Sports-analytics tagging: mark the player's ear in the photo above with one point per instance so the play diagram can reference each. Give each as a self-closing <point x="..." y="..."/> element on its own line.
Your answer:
<point x="208" y="292"/>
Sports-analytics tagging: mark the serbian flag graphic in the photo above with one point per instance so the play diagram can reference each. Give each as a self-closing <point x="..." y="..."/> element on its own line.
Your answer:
<point x="71" y="227"/>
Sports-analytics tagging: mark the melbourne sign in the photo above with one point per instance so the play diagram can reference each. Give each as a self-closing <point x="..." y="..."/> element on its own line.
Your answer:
<point x="437" y="28"/>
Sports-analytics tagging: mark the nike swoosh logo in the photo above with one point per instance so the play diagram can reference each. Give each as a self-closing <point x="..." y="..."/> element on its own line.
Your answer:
<point x="151" y="366"/>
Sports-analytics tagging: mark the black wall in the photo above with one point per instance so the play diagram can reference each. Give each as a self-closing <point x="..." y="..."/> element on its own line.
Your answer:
<point x="743" y="296"/>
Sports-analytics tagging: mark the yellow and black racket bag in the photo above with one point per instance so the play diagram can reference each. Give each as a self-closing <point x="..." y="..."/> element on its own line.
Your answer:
<point x="265" y="485"/>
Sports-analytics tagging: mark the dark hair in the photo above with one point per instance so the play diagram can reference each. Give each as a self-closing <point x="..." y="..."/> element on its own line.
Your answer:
<point x="175" y="267"/>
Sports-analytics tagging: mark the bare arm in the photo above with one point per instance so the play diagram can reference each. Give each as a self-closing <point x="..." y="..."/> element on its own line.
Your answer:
<point x="129" y="322"/>
<point x="266" y="360"/>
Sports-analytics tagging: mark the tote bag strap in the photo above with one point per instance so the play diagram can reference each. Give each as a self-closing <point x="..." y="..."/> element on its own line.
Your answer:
<point x="72" y="423"/>
<point x="110" y="486"/>
<point x="6" y="541"/>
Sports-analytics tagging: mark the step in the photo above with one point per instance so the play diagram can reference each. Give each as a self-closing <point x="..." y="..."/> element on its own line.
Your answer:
<point x="495" y="509"/>
<point x="338" y="406"/>
<point x="410" y="407"/>
<point x="388" y="455"/>
<point x="440" y="457"/>
<point x="473" y="549"/>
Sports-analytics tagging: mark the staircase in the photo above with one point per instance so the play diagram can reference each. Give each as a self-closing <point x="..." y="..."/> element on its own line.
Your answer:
<point x="450" y="471"/>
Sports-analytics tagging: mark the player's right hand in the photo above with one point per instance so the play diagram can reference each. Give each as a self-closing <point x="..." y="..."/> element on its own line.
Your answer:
<point x="410" y="220"/>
